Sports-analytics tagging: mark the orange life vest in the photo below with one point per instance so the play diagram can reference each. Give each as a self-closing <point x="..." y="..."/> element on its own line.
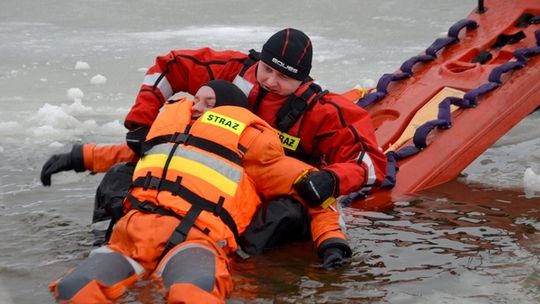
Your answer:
<point x="195" y="170"/>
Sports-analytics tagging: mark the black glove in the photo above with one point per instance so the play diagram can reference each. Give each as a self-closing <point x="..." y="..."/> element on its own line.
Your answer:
<point x="333" y="252"/>
<point x="63" y="162"/>
<point x="135" y="139"/>
<point x="111" y="192"/>
<point x="316" y="187"/>
<point x="333" y="258"/>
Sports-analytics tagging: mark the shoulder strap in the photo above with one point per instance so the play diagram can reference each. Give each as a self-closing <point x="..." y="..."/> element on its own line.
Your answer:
<point x="199" y="142"/>
<point x="295" y="106"/>
<point x="252" y="58"/>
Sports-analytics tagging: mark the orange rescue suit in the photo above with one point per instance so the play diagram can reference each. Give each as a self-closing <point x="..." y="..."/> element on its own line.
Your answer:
<point x="246" y="163"/>
<point x="229" y="159"/>
<point x="277" y="169"/>
<point x="243" y="157"/>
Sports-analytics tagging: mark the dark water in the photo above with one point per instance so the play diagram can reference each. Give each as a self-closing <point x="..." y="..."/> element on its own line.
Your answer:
<point x="455" y="244"/>
<point x="474" y="240"/>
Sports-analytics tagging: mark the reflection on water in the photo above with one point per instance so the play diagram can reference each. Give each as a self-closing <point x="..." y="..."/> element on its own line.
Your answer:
<point x="455" y="244"/>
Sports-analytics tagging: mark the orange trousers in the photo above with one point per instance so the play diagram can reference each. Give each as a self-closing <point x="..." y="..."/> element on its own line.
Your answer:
<point x="195" y="271"/>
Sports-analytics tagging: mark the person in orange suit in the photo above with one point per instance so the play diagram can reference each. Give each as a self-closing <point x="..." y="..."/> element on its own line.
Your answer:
<point x="204" y="166"/>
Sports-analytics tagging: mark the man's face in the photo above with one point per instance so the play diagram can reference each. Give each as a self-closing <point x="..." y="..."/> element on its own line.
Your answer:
<point x="276" y="82"/>
<point x="205" y="99"/>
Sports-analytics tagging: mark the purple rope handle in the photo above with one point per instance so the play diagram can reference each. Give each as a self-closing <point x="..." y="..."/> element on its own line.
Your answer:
<point x="453" y="33"/>
<point x="439" y="44"/>
<point x="407" y="67"/>
<point x="444" y="115"/>
<point x="458" y="26"/>
<point x="472" y="95"/>
<point x="382" y="88"/>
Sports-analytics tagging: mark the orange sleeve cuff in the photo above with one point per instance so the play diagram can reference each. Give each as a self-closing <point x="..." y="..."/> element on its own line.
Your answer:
<point x="102" y="158"/>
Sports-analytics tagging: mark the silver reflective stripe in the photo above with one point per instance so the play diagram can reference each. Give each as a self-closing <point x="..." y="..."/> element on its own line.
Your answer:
<point x="370" y="171"/>
<point x="173" y="252"/>
<point x="104" y="265"/>
<point x="136" y="266"/>
<point x="232" y="173"/>
<point x="341" y="218"/>
<point x="164" y="86"/>
<point x="178" y="267"/>
<point x="243" y="84"/>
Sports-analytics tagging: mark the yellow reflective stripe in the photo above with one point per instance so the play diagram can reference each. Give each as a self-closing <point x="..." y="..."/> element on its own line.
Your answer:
<point x="191" y="167"/>
<point x="222" y="121"/>
<point x="288" y="141"/>
<point x="151" y="161"/>
<point x="232" y="172"/>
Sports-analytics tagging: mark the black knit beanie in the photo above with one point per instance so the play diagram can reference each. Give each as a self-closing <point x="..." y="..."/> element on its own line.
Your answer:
<point x="227" y="94"/>
<point x="289" y="51"/>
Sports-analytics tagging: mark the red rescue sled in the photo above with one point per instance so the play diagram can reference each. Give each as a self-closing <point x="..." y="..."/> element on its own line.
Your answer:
<point x="446" y="106"/>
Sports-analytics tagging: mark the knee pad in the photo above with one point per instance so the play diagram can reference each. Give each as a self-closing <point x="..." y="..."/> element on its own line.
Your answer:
<point x="189" y="263"/>
<point x="103" y="265"/>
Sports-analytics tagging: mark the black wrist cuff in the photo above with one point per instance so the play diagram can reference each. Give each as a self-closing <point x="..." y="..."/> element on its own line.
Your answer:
<point x="335" y="243"/>
<point x="77" y="158"/>
<point x="336" y="182"/>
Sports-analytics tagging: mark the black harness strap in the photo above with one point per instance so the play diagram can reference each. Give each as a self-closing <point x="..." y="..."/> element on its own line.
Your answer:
<point x="181" y="231"/>
<point x="199" y="142"/>
<point x="198" y="204"/>
<point x="290" y="112"/>
<point x="295" y="106"/>
<point x="253" y="57"/>
<point x="258" y="100"/>
<point x="148" y="207"/>
<point x="175" y="188"/>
